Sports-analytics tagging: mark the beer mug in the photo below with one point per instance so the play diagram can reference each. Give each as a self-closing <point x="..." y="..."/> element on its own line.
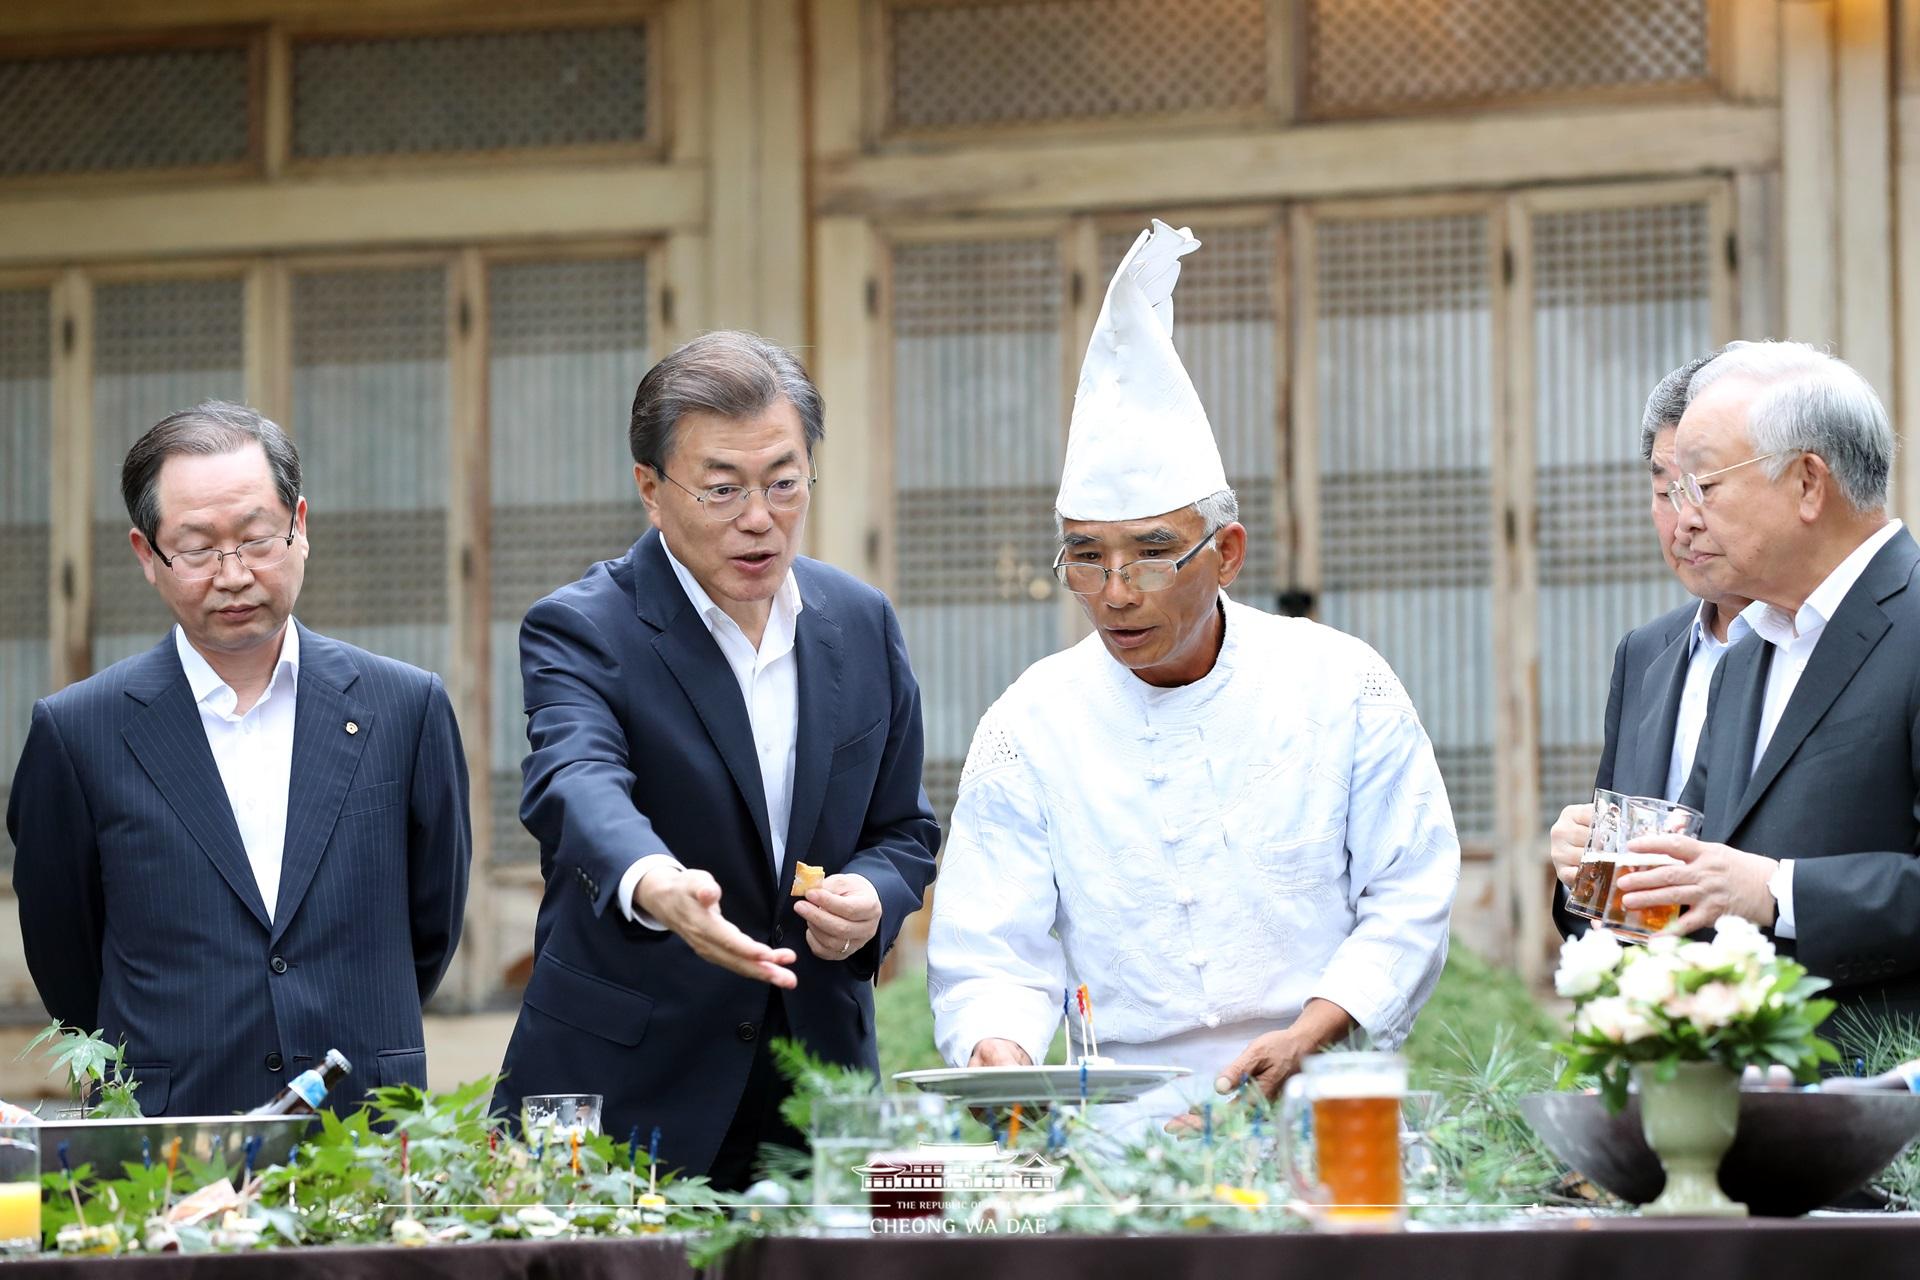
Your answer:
<point x="1588" y="896"/>
<point x="1647" y="816"/>
<point x="1355" y="1101"/>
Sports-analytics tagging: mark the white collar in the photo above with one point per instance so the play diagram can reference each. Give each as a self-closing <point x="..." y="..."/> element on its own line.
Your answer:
<point x="1779" y="628"/>
<point x="1700" y="633"/>
<point x="206" y="682"/>
<point x="781" y="620"/>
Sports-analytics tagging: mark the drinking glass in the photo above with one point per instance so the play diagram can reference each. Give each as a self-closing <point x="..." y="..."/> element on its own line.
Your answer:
<point x="552" y="1117"/>
<point x="19" y="1189"/>
<point x="848" y="1132"/>
<point x="1604" y="842"/>
<point x="1646" y="816"/>
<point x="1355" y="1100"/>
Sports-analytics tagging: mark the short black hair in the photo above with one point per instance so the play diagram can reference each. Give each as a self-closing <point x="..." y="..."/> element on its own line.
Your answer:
<point x="729" y="372"/>
<point x="209" y="428"/>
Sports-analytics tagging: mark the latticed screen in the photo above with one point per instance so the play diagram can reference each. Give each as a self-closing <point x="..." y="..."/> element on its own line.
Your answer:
<point x="569" y="344"/>
<point x="978" y="426"/>
<point x="111" y="112"/>
<point x="1011" y="62"/>
<point x="159" y="346"/>
<point x="1630" y="286"/>
<point x="370" y="416"/>
<point x="1368" y="57"/>
<point x="1406" y="403"/>
<point x="25" y="480"/>
<point x="478" y="91"/>
<point x="1223" y="328"/>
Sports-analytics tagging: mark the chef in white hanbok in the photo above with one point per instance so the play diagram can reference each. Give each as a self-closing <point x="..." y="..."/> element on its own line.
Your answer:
<point x="1228" y="825"/>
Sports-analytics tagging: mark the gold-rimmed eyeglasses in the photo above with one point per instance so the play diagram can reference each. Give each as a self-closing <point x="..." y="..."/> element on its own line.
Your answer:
<point x="1086" y="579"/>
<point x="1687" y="488"/>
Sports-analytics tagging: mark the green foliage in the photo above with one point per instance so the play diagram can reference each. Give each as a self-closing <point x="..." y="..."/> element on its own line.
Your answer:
<point x="1476" y="1003"/>
<point x="1487" y="1151"/>
<point x="1870" y="1044"/>
<point x="90" y="1065"/>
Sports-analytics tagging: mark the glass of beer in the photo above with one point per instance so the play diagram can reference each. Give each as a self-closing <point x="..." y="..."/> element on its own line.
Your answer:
<point x="1588" y="896"/>
<point x="1355" y="1102"/>
<point x="19" y="1190"/>
<point x="1647" y="816"/>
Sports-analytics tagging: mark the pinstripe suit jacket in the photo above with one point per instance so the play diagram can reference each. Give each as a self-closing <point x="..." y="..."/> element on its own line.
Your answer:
<point x="140" y="913"/>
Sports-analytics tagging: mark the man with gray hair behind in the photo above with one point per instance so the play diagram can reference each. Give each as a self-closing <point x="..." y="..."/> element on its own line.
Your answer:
<point x="1809" y="769"/>
<point x="1663" y="669"/>
<point x="1228" y="826"/>
<point x="249" y="844"/>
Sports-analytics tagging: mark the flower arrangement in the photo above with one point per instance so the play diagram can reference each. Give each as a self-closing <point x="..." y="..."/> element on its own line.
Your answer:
<point x="1733" y="1001"/>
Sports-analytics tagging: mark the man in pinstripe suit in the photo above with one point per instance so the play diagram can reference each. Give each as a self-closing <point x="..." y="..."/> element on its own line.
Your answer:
<point x="249" y="844"/>
<point x="1657" y="700"/>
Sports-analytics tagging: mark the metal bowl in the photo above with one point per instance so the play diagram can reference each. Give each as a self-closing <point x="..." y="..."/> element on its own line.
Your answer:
<point x="108" y="1145"/>
<point x="1793" y="1151"/>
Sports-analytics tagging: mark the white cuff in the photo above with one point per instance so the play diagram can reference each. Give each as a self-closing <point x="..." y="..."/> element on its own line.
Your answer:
<point x="1780" y="885"/>
<point x="631" y="881"/>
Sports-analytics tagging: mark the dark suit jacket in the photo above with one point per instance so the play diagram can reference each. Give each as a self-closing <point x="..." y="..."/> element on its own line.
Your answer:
<point x="1643" y="706"/>
<point x="641" y="744"/>
<point x="140" y="912"/>
<point x="1838" y="789"/>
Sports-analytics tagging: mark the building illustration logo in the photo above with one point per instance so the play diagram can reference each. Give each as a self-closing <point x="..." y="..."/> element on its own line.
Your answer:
<point x="981" y="1168"/>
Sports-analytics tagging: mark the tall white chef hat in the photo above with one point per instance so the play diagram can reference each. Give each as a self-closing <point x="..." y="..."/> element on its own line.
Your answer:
<point x="1139" y="443"/>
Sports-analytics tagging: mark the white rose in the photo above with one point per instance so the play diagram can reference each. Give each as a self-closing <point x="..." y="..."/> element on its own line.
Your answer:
<point x="1651" y="979"/>
<point x="1700" y="955"/>
<point x="1585" y="962"/>
<point x="1664" y="944"/>
<point x="1750" y="993"/>
<point x="1613" y="1018"/>
<point x="1738" y="941"/>
<point x="1711" y="1007"/>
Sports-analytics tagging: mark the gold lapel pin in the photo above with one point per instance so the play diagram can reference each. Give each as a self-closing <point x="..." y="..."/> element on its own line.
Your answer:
<point x="352" y="727"/>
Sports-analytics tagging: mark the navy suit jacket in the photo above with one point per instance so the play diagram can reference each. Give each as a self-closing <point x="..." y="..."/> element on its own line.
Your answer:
<point x="1643" y="709"/>
<point x="140" y="912"/>
<point x="641" y="744"/>
<point x="1838" y="789"/>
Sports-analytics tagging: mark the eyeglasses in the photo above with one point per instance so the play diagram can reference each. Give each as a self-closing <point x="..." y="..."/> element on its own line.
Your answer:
<point x="727" y="501"/>
<point x="1142" y="575"/>
<point x="255" y="555"/>
<point x="1687" y="487"/>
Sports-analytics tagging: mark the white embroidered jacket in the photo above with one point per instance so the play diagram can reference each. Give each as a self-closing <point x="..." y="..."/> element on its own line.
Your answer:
<point x="1201" y="856"/>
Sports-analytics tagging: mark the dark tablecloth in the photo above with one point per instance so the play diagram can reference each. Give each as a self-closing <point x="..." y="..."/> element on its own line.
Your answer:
<point x="1854" y="1248"/>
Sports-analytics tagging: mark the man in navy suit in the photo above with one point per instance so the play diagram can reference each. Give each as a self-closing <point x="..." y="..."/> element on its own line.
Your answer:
<point x="706" y="712"/>
<point x="249" y="844"/>
<point x="1663" y="669"/>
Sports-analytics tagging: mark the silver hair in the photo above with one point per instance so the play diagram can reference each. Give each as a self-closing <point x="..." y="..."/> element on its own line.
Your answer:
<point x="1217" y="509"/>
<point x="1809" y="401"/>
<point x="1668" y="403"/>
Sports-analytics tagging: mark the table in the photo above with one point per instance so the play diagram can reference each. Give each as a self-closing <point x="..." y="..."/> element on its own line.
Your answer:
<point x="1861" y="1247"/>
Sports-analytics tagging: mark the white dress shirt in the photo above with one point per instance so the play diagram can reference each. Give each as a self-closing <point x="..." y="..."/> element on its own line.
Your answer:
<point x="1704" y="657"/>
<point x="769" y="679"/>
<point x="254" y="753"/>
<point x="1794" y="638"/>
<point x="1206" y="858"/>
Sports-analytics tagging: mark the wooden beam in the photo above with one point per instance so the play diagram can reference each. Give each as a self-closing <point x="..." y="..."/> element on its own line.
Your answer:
<point x="1863" y="126"/>
<point x="1809" y="172"/>
<point x="731" y="223"/>
<point x="780" y="147"/>
<point x="837" y="57"/>
<point x="320" y="213"/>
<point x="1906" y="486"/>
<point x="71" y="533"/>
<point x="1744" y="44"/>
<point x="268" y="341"/>
<point x="844" y="523"/>
<point x="1326" y="160"/>
<point x="469" y="598"/>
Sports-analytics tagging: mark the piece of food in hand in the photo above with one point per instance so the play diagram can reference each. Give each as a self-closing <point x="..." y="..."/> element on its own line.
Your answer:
<point x="806" y="877"/>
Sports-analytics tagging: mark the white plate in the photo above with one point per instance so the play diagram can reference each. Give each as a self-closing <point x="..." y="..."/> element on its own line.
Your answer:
<point x="1061" y="1083"/>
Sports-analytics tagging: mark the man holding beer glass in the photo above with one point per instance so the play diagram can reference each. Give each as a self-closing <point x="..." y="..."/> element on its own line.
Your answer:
<point x="1657" y="699"/>
<point x="1812" y="745"/>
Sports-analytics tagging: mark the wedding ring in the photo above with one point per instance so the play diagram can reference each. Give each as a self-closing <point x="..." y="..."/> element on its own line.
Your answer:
<point x="846" y="946"/>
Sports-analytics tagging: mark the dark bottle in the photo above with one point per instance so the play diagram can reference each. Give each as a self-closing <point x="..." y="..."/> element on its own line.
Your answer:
<point x="306" y="1091"/>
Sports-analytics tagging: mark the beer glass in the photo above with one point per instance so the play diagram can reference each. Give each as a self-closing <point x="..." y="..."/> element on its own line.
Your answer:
<point x="1647" y="816"/>
<point x="556" y="1117"/>
<point x="1355" y="1101"/>
<point x="19" y="1189"/>
<point x="1590" y="883"/>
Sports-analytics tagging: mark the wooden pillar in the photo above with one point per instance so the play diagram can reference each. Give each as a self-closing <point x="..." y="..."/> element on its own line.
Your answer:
<point x="469" y="601"/>
<point x="71" y="511"/>
<point x="1907" y="263"/>
<point x="1863" y="83"/>
<point x="1809" y="172"/>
